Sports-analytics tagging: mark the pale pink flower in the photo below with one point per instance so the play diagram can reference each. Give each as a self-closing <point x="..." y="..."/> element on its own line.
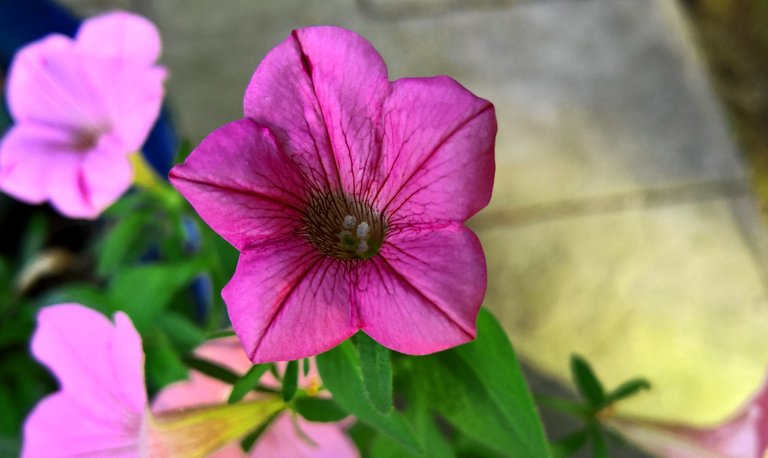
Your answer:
<point x="80" y="107"/>
<point x="283" y="437"/>
<point x="101" y="408"/>
<point x="347" y="196"/>
<point x="745" y="435"/>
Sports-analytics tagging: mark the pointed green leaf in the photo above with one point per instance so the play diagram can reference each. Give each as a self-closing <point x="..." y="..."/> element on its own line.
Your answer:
<point x="212" y="370"/>
<point x="570" y="444"/>
<point x="247" y="382"/>
<point x="123" y="243"/>
<point x="143" y="292"/>
<point x="290" y="380"/>
<point x="319" y="409"/>
<point x="479" y="388"/>
<point x="586" y="381"/>
<point x="599" y="446"/>
<point x="628" y="389"/>
<point x="377" y="372"/>
<point x="340" y="370"/>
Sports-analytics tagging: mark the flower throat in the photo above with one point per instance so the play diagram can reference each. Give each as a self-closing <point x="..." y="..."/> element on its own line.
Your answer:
<point x="344" y="227"/>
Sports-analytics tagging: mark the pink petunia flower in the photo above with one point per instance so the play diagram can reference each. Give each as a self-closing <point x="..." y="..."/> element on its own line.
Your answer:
<point x="101" y="408"/>
<point x="347" y="196"/>
<point x="743" y="436"/>
<point x="80" y="107"/>
<point x="287" y="435"/>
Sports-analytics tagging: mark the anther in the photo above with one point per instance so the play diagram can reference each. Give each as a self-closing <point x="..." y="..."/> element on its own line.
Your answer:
<point x="349" y="222"/>
<point x="362" y="247"/>
<point x="363" y="229"/>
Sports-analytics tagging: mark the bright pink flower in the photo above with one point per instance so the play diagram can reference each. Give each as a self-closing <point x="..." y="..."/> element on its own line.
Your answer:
<point x="347" y="197"/>
<point x="743" y="436"/>
<point x="80" y="107"/>
<point x="282" y="437"/>
<point x="101" y="408"/>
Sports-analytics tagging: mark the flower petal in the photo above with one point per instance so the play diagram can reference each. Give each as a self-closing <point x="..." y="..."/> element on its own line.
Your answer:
<point x="423" y="291"/>
<point x="46" y="85"/>
<point x="287" y="301"/>
<point x="100" y="368"/>
<point x="282" y="439"/>
<point x="320" y="91"/>
<point x="120" y="34"/>
<point x="63" y="426"/>
<point x="106" y="174"/>
<point x="28" y="154"/>
<point x="438" y="149"/>
<point x="241" y="184"/>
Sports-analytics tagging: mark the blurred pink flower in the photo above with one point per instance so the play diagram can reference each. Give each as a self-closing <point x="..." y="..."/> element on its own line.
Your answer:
<point x="80" y="107"/>
<point x="282" y="437"/>
<point x="101" y="408"/>
<point x="347" y="197"/>
<point x="102" y="402"/>
<point x="743" y="436"/>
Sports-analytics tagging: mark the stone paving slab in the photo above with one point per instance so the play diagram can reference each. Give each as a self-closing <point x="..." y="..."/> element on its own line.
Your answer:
<point x="635" y="287"/>
<point x="593" y="97"/>
<point x="621" y="212"/>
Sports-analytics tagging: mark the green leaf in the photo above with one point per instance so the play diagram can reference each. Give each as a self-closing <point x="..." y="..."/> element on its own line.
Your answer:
<point x="35" y="235"/>
<point x="485" y="393"/>
<point x="340" y="370"/>
<point x="290" y="380"/>
<point x="163" y="363"/>
<point x="599" y="446"/>
<point x="566" y="406"/>
<point x="377" y="372"/>
<point x="627" y="389"/>
<point x="229" y="332"/>
<point x="123" y="243"/>
<point x="247" y="443"/>
<point x="81" y="293"/>
<point x="212" y="370"/>
<point x="183" y="332"/>
<point x="247" y="382"/>
<point x="143" y="292"/>
<point x="319" y="409"/>
<point x="421" y="418"/>
<point x="586" y="381"/>
<point x="570" y="444"/>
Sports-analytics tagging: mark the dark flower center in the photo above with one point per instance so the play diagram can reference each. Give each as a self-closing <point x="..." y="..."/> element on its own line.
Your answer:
<point x="85" y="140"/>
<point x="344" y="227"/>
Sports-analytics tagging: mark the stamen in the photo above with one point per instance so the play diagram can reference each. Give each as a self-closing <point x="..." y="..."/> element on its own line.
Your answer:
<point x="362" y="230"/>
<point x="344" y="227"/>
<point x="349" y="222"/>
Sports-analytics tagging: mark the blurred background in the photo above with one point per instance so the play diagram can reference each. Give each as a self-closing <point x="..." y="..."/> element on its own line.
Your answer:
<point x="627" y="222"/>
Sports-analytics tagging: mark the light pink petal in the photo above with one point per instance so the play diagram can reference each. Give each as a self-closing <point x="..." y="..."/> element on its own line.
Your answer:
<point x="437" y="148"/>
<point x="242" y="185"/>
<point x="120" y="34"/>
<point x="61" y="426"/>
<point x="46" y="86"/>
<point x="287" y="301"/>
<point x="198" y="390"/>
<point x="131" y="95"/>
<point x="421" y="294"/>
<point x="282" y="439"/>
<point x="28" y="156"/>
<point x="321" y="92"/>
<point x="102" y="400"/>
<point x="106" y="174"/>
